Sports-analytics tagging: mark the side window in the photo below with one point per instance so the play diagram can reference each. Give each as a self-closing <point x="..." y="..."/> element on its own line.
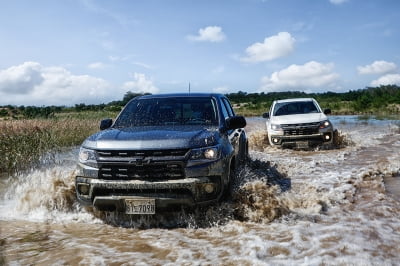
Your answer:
<point x="228" y="107"/>
<point x="224" y="110"/>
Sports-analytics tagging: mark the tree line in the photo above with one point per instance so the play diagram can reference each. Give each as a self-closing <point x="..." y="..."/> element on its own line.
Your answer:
<point x="370" y="99"/>
<point x="31" y="112"/>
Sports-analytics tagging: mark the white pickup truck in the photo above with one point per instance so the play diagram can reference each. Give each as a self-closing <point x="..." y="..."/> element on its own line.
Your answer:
<point x="298" y="123"/>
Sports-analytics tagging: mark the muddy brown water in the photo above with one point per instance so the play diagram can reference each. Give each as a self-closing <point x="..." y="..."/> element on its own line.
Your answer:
<point x="320" y="207"/>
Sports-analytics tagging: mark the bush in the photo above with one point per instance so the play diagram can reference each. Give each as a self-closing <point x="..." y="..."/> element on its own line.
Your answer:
<point x="23" y="142"/>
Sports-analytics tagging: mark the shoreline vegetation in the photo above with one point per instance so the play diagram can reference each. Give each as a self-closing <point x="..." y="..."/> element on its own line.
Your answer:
<point x="25" y="142"/>
<point x="383" y="100"/>
<point x="27" y="134"/>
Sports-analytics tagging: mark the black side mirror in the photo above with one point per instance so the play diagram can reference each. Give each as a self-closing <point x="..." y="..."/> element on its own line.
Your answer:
<point x="106" y="123"/>
<point x="235" y="122"/>
<point x="327" y="111"/>
<point x="265" y="115"/>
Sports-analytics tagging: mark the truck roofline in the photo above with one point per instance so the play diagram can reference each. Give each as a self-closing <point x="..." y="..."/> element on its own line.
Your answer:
<point x="173" y="95"/>
<point x="295" y="100"/>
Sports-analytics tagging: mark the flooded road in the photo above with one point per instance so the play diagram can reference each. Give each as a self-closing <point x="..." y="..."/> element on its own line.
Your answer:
<point x="324" y="207"/>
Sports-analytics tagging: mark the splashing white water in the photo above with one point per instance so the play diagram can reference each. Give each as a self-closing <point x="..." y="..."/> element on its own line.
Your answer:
<point x="288" y="207"/>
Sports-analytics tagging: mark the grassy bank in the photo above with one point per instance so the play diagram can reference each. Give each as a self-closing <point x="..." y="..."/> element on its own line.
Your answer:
<point x="23" y="142"/>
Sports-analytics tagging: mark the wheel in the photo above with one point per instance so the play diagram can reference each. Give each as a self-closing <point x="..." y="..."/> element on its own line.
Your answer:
<point x="228" y="186"/>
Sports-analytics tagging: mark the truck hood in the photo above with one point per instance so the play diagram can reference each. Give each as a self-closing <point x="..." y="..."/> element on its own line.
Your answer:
<point x="298" y="119"/>
<point x="146" y="138"/>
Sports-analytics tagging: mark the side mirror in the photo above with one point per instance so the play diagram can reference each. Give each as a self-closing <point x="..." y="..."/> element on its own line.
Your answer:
<point x="265" y="115"/>
<point x="106" y="123"/>
<point x="327" y="111"/>
<point x="235" y="122"/>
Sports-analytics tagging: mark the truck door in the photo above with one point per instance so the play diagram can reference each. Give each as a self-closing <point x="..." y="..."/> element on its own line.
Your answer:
<point x="233" y="135"/>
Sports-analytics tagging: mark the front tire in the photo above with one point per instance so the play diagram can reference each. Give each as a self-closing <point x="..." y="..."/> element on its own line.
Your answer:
<point x="228" y="187"/>
<point x="243" y="152"/>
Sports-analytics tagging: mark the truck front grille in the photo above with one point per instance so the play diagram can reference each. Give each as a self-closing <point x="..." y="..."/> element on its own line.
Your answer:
<point x="149" y="171"/>
<point x="300" y="129"/>
<point x="145" y="153"/>
<point x="150" y="165"/>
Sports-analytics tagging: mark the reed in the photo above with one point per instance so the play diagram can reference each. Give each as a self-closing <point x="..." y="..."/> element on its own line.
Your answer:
<point x="23" y="142"/>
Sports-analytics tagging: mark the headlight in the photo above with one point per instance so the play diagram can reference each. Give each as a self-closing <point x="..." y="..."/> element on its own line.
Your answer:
<point x="87" y="157"/>
<point x="276" y="127"/>
<point x="208" y="153"/>
<point x="324" y="124"/>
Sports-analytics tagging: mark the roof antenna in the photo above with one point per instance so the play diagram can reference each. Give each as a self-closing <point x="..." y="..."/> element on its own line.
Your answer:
<point x="189" y="87"/>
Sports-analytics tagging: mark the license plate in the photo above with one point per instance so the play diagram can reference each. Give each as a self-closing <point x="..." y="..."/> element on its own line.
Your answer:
<point x="302" y="144"/>
<point x="140" y="206"/>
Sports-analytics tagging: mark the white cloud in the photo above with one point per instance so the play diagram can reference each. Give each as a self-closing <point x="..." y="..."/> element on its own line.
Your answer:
<point x="209" y="34"/>
<point x="97" y="65"/>
<point x="312" y="75"/>
<point x="144" y="65"/>
<point x="377" y="67"/>
<point x="338" y="2"/>
<point x="21" y="79"/>
<point x="302" y="26"/>
<point x="273" y="47"/>
<point x="61" y="85"/>
<point x="140" y="84"/>
<point x="222" y="89"/>
<point x="388" y="79"/>
<point x="116" y="58"/>
<point x="33" y="84"/>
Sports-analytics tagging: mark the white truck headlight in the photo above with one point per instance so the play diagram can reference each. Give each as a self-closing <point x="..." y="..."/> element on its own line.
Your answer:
<point x="276" y="127"/>
<point x="87" y="157"/>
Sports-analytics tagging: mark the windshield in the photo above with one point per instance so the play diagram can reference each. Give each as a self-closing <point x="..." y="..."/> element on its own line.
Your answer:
<point x="294" y="108"/>
<point x="169" y="112"/>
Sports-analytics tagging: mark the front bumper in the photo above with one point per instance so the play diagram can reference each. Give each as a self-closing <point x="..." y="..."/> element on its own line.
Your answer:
<point x="200" y="185"/>
<point x="302" y="140"/>
<point x="110" y="195"/>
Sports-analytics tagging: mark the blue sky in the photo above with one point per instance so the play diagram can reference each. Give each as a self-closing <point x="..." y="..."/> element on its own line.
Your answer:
<point x="92" y="51"/>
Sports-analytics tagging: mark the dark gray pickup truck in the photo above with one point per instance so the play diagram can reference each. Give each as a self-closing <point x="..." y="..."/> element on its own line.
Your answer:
<point x="163" y="151"/>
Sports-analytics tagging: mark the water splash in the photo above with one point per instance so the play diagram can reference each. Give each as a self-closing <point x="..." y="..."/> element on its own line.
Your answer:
<point x="287" y="207"/>
<point x="261" y="191"/>
<point x="254" y="197"/>
<point x="258" y="140"/>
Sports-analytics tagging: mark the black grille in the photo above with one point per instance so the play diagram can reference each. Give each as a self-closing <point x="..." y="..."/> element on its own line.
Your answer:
<point x="129" y="153"/>
<point x="150" y="165"/>
<point x="301" y="129"/>
<point x="148" y="171"/>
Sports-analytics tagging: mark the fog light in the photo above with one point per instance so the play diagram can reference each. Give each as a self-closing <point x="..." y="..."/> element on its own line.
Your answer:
<point x="275" y="140"/>
<point x="327" y="137"/>
<point x="83" y="189"/>
<point x="209" y="188"/>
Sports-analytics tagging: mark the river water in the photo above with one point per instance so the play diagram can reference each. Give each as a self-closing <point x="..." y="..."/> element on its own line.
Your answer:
<point x="323" y="207"/>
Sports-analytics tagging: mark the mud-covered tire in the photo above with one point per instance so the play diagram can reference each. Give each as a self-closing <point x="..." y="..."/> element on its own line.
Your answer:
<point x="335" y="139"/>
<point x="244" y="152"/>
<point x="227" y="190"/>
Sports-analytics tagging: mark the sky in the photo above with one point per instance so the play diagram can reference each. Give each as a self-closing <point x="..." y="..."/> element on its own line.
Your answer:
<point x="69" y="52"/>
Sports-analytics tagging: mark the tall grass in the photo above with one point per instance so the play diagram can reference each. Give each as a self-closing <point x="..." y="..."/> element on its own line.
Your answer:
<point x="23" y="142"/>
